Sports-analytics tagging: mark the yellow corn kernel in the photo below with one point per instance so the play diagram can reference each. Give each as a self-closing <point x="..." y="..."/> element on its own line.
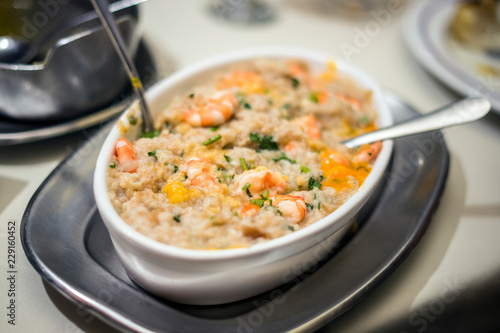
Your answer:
<point x="316" y="144"/>
<point x="329" y="74"/>
<point x="176" y="192"/>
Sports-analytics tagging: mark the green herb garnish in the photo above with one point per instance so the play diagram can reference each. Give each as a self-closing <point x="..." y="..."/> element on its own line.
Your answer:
<point x="263" y="198"/>
<point x="365" y="120"/>
<point x="246" y="189"/>
<point x="153" y="153"/>
<point x="228" y="159"/>
<point x="151" y="134"/>
<point x="286" y="106"/>
<point x="247" y="106"/>
<point x="132" y="120"/>
<point x="258" y="202"/>
<point x="264" y="142"/>
<point x="311" y="207"/>
<point x="284" y="157"/>
<point x="243" y="163"/>
<point x="290" y="228"/>
<point x="113" y="165"/>
<point x="314" y="98"/>
<point x="212" y="140"/>
<point x="295" y="82"/>
<point x="304" y="169"/>
<point x="191" y="95"/>
<point x="313" y="183"/>
<point x="177" y="218"/>
<point x="176" y="168"/>
<point x="214" y="128"/>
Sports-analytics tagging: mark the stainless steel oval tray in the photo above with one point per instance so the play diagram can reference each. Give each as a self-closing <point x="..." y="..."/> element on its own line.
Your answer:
<point x="67" y="243"/>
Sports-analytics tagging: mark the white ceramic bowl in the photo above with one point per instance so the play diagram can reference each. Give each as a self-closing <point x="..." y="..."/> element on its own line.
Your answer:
<point x="214" y="277"/>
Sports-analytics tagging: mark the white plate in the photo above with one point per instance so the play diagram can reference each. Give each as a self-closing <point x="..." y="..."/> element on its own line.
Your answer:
<point x="426" y="35"/>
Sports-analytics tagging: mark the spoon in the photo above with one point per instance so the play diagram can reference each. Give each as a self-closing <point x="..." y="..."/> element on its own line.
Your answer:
<point x="461" y="112"/>
<point x="101" y="7"/>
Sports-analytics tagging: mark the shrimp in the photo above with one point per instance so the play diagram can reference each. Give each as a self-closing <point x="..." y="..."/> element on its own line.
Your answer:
<point x="249" y="209"/>
<point x="248" y="82"/>
<point x="216" y="112"/>
<point x="356" y="104"/>
<point x="292" y="207"/>
<point x="310" y="126"/>
<point x="126" y="155"/>
<point x="330" y="155"/>
<point x="198" y="172"/>
<point x="299" y="70"/>
<point x="368" y="154"/>
<point x="261" y="179"/>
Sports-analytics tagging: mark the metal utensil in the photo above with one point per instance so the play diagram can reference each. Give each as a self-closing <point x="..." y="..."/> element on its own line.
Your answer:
<point x="101" y="7"/>
<point x="461" y="112"/>
<point x="15" y="50"/>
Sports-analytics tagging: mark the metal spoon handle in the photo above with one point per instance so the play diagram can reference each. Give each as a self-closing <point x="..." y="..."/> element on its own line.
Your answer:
<point x="461" y="112"/>
<point x="101" y="7"/>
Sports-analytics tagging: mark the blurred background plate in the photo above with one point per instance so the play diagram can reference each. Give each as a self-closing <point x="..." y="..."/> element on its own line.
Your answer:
<point x="468" y="71"/>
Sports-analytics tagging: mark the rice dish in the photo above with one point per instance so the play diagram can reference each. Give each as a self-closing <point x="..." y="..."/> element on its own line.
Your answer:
<point x="252" y="155"/>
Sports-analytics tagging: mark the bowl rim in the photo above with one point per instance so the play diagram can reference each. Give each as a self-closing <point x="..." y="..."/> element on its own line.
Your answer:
<point x="117" y="224"/>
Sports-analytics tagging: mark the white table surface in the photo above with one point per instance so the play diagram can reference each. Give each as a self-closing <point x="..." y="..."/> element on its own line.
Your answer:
<point x="461" y="244"/>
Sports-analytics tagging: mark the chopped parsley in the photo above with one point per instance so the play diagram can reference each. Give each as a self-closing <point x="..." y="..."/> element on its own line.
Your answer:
<point x="314" y="98"/>
<point x="176" y="168"/>
<point x="247" y="106"/>
<point x="113" y="165"/>
<point x="264" y="142"/>
<point x="286" y="106"/>
<point x="212" y="140"/>
<point x="258" y="202"/>
<point x="246" y="189"/>
<point x="153" y="153"/>
<point x="132" y="120"/>
<point x="311" y="207"/>
<point x="228" y="159"/>
<point x="151" y="134"/>
<point x="365" y="120"/>
<point x="214" y="128"/>
<point x="262" y="200"/>
<point x="177" y="218"/>
<point x="284" y="157"/>
<point x="191" y="95"/>
<point x="243" y="163"/>
<point x="362" y="167"/>
<point x="313" y="183"/>
<point x="290" y="228"/>
<point x="304" y="169"/>
<point x="295" y="82"/>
